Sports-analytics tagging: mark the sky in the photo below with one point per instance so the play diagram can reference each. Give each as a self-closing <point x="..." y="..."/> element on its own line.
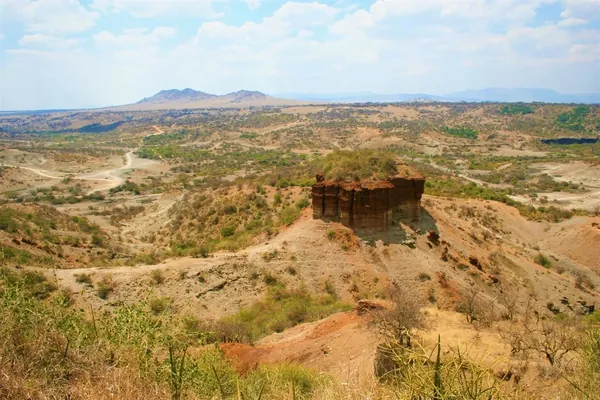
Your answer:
<point x="92" y="53"/>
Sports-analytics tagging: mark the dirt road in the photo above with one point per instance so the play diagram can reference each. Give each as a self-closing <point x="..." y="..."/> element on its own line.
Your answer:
<point x="112" y="177"/>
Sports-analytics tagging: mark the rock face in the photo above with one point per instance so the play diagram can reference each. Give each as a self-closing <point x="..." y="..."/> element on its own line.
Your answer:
<point x="368" y="204"/>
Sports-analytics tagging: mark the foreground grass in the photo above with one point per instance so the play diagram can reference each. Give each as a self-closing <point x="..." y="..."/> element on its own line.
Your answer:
<point x="50" y="350"/>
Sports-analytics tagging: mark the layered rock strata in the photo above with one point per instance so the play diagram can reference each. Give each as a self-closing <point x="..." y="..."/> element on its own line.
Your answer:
<point x="368" y="204"/>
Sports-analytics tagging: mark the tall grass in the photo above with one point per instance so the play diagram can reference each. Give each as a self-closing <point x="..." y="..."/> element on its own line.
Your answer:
<point x="49" y="350"/>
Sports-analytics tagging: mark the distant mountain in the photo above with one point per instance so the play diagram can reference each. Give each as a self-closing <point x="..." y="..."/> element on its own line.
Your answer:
<point x="523" y="95"/>
<point x="363" y="97"/>
<point x="482" y="95"/>
<point x="175" y="95"/>
<point x="244" y="95"/>
<point x="190" y="98"/>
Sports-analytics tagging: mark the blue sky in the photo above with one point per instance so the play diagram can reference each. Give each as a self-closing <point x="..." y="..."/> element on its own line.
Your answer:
<point x="89" y="53"/>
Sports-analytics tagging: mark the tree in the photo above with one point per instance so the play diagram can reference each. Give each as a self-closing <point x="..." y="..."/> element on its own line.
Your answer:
<point x="476" y="307"/>
<point x="397" y="323"/>
<point x="551" y="338"/>
<point x="509" y="298"/>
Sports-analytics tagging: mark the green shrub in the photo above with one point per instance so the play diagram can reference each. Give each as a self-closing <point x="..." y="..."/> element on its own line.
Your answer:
<point x="465" y="132"/>
<point x="512" y="109"/>
<point x="283" y="308"/>
<point x="270" y="279"/>
<point x="227" y="231"/>
<point x="302" y="203"/>
<point x="288" y="215"/>
<point x="542" y="260"/>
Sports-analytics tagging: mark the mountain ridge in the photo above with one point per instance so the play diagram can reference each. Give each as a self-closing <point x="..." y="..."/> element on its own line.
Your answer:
<point x="190" y="95"/>
<point x="502" y="95"/>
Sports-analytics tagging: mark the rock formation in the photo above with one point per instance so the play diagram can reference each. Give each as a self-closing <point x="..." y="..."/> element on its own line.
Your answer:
<point x="369" y="204"/>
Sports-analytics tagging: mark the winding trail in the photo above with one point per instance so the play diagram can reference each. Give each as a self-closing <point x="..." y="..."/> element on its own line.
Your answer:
<point x="112" y="176"/>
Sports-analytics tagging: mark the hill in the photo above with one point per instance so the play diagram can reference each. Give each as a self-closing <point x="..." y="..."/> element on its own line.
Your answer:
<point x="190" y="98"/>
<point x="175" y="95"/>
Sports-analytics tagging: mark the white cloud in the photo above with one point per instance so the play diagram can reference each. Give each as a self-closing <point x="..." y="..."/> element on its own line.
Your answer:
<point x="431" y="46"/>
<point x="543" y="41"/>
<point x="582" y="9"/>
<point x="53" y="17"/>
<point x="473" y="9"/>
<point x="154" y="8"/>
<point x="1" y="36"/>
<point x="569" y="22"/>
<point x="38" y="40"/>
<point x="580" y="53"/>
<point x="290" y="17"/>
<point x="352" y="23"/>
<point x="134" y="37"/>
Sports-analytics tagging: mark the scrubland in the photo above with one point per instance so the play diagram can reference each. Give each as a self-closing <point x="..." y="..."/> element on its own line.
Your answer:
<point x="173" y="254"/>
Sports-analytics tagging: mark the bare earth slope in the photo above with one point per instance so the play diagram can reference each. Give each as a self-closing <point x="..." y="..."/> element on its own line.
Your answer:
<point x="491" y="235"/>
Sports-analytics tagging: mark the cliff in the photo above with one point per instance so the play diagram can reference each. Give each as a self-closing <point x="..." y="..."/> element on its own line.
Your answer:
<point x="370" y="204"/>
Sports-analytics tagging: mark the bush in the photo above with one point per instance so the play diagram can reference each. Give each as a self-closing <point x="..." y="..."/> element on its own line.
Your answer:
<point x="84" y="278"/>
<point x="269" y="279"/>
<point x="465" y="132"/>
<point x="583" y="280"/>
<point x="302" y="203"/>
<point x="291" y="270"/>
<point x="283" y="308"/>
<point x="105" y="287"/>
<point x="157" y="276"/>
<point x="160" y="305"/>
<point x="424" y="276"/>
<point x="288" y="215"/>
<point x="227" y="231"/>
<point x="512" y="109"/>
<point x="542" y="260"/>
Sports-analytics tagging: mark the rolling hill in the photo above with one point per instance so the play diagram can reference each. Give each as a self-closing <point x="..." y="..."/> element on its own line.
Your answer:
<point x="190" y="98"/>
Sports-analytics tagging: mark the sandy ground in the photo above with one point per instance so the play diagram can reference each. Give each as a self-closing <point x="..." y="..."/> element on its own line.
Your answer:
<point x="107" y="179"/>
<point x="587" y="176"/>
<point x="578" y="172"/>
<point x="511" y="152"/>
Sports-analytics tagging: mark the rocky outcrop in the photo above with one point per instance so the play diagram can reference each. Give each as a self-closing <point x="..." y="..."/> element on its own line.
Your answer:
<point x="368" y="204"/>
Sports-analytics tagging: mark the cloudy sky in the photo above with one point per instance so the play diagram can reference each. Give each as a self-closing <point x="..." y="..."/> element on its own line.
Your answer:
<point x="87" y="53"/>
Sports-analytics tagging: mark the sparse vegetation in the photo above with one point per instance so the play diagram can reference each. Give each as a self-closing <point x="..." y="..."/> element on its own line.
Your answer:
<point x="231" y="185"/>
<point x="512" y="109"/>
<point x="283" y="308"/>
<point x="360" y="164"/>
<point x="464" y="132"/>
